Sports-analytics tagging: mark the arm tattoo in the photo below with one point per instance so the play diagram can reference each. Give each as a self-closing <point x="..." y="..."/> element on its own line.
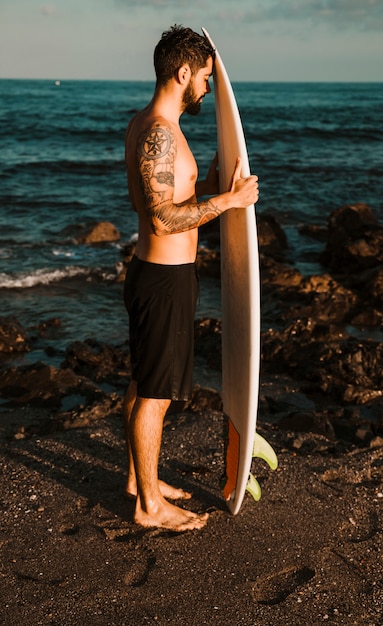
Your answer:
<point x="157" y="149"/>
<point x="177" y="218"/>
<point x="156" y="144"/>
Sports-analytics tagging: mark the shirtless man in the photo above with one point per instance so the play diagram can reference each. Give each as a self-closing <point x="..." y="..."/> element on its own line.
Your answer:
<point x="161" y="286"/>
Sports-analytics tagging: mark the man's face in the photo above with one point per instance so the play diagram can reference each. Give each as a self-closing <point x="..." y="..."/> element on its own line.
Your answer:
<point x="197" y="89"/>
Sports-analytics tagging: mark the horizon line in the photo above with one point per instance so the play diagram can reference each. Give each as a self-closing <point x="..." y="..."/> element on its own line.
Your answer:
<point x="152" y="80"/>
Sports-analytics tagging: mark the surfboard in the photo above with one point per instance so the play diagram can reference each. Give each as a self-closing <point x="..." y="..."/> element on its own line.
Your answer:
<point x="241" y="316"/>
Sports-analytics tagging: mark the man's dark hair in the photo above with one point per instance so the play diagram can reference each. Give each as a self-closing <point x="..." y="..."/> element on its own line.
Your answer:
<point x="178" y="46"/>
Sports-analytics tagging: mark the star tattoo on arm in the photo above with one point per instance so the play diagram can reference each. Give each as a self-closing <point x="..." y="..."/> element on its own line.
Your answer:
<point x="156" y="144"/>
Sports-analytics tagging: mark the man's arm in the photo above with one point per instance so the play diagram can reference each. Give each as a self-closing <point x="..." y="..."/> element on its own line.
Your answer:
<point x="157" y="149"/>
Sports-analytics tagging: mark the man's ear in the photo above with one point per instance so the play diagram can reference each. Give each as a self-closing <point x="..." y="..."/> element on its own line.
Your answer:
<point x="184" y="74"/>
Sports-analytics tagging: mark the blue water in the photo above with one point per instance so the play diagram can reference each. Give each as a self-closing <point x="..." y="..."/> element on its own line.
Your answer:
<point x="313" y="146"/>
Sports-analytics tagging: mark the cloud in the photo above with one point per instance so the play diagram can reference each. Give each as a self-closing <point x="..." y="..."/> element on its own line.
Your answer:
<point x="48" y="10"/>
<point x="357" y="14"/>
<point x="154" y="4"/>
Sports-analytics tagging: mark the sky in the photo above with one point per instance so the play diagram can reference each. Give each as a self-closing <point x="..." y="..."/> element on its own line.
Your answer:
<point x="259" y="40"/>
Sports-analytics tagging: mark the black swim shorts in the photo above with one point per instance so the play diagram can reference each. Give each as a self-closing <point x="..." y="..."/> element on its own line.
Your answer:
<point x="161" y="302"/>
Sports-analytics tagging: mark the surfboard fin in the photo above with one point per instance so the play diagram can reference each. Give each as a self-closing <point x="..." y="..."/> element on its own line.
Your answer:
<point x="254" y="488"/>
<point x="262" y="450"/>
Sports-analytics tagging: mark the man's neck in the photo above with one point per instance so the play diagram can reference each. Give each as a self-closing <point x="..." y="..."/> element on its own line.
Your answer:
<point x="167" y="103"/>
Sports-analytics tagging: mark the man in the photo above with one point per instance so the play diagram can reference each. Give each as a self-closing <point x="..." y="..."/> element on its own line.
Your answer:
<point x="161" y="285"/>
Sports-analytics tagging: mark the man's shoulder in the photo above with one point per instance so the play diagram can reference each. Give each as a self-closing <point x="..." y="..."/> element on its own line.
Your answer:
<point x="151" y="122"/>
<point x="143" y="123"/>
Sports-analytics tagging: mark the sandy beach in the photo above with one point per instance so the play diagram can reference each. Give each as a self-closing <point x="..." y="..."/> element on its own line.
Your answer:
<point x="309" y="552"/>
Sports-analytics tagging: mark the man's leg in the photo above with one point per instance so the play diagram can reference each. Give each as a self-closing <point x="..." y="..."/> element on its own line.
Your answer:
<point x="129" y="402"/>
<point x="145" y="435"/>
<point x="169" y="492"/>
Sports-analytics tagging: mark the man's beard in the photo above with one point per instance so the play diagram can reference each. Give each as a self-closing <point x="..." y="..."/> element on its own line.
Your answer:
<point x="192" y="105"/>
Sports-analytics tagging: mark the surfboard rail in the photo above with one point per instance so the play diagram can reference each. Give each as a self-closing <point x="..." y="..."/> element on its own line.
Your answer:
<point x="240" y="289"/>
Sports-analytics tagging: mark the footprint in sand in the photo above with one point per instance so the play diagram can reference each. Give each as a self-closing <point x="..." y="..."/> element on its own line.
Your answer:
<point x="138" y="569"/>
<point x="275" y="588"/>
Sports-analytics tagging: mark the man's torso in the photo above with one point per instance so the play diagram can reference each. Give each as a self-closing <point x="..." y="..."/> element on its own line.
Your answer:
<point x="176" y="248"/>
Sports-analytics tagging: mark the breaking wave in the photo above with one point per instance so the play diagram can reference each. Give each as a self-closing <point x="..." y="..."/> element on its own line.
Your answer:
<point x="43" y="276"/>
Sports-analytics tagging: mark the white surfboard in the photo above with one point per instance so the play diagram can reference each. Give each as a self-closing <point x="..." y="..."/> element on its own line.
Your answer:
<point x="240" y="286"/>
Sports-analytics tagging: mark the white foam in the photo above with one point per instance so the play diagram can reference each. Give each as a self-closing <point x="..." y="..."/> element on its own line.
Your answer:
<point x="22" y="280"/>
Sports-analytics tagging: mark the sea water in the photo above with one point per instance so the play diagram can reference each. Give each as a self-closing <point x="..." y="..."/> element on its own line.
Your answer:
<point x="313" y="146"/>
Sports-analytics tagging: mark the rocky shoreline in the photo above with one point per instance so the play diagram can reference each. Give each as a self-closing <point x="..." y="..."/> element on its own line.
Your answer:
<point x="318" y="337"/>
<point x="310" y="550"/>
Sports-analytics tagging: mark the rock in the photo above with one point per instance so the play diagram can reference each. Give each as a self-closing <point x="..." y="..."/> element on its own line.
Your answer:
<point x="355" y="239"/>
<point x="352" y="219"/>
<point x="322" y="284"/>
<point x="12" y="336"/>
<point x="128" y="250"/>
<point x="102" y="232"/>
<point x="367" y="318"/>
<point x="276" y="274"/>
<point x="45" y="385"/>
<point x="90" y="414"/>
<point x="98" y="361"/>
<point x="313" y="422"/>
<point x="204" y="399"/>
<point x="271" y="238"/>
<point x="319" y="233"/>
<point x="49" y="326"/>
<point x="341" y="367"/>
<point x="208" y="336"/>
<point x="376" y="442"/>
<point x="374" y="287"/>
<point x="364" y="433"/>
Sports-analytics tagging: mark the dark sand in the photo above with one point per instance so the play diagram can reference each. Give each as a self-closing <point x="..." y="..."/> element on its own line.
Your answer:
<point x="310" y="552"/>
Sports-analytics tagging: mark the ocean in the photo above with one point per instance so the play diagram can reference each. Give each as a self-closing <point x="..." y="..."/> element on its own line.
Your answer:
<point x="313" y="146"/>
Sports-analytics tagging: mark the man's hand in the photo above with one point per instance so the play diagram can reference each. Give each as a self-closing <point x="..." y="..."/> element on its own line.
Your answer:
<point x="245" y="189"/>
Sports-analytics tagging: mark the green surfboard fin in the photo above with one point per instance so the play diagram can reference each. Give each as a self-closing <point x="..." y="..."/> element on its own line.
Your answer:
<point x="262" y="450"/>
<point x="254" y="488"/>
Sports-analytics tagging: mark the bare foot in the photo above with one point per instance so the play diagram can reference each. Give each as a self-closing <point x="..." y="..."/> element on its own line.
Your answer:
<point x="169" y="516"/>
<point x="167" y="491"/>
